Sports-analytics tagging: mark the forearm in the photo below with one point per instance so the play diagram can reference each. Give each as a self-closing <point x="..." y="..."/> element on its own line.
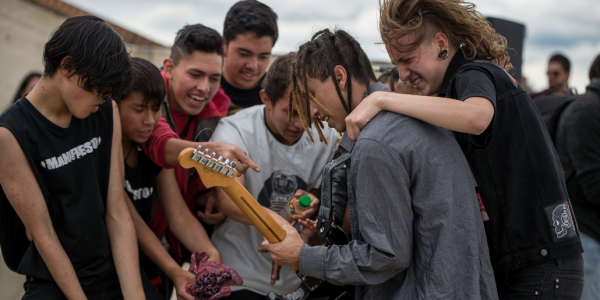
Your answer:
<point x="192" y="235"/>
<point x="455" y="115"/>
<point x="123" y="243"/>
<point x="59" y="265"/>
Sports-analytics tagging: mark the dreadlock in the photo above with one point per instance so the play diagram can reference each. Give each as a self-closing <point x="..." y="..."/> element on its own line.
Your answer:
<point x="318" y="58"/>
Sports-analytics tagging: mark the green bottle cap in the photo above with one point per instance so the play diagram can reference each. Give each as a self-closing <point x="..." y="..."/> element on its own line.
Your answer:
<point x="305" y="201"/>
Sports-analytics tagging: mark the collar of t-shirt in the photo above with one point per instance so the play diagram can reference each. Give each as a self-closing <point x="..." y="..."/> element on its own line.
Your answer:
<point x="243" y="97"/>
<point x="346" y="143"/>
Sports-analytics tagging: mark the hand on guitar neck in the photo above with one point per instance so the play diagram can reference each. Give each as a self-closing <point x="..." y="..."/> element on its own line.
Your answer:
<point x="216" y="172"/>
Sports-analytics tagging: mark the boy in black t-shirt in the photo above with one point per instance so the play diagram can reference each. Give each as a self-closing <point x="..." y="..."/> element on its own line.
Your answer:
<point x="249" y="34"/>
<point x="63" y="216"/>
<point x="140" y="112"/>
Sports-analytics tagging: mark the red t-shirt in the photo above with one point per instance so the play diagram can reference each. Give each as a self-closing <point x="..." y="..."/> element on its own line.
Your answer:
<point x="155" y="150"/>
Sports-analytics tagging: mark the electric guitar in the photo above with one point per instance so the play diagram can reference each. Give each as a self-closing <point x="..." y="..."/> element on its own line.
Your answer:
<point x="218" y="172"/>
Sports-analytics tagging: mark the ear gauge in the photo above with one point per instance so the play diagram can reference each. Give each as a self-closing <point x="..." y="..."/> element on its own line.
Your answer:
<point x="443" y="54"/>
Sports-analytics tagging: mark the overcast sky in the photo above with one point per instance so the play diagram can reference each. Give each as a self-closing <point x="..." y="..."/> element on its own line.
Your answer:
<point x="571" y="27"/>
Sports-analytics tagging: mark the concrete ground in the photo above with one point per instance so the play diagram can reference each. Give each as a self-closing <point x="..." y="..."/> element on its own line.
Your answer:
<point x="11" y="283"/>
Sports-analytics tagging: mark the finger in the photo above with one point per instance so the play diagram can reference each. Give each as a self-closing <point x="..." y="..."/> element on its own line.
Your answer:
<point x="248" y="162"/>
<point x="262" y="250"/>
<point x="201" y="216"/>
<point x="183" y="295"/>
<point x="299" y="193"/>
<point x="242" y="168"/>
<point x="209" y="205"/>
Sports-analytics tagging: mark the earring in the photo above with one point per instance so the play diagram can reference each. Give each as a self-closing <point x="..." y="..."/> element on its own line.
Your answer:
<point x="443" y="54"/>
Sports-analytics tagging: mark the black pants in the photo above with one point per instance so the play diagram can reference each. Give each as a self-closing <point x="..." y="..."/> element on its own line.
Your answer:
<point x="46" y="290"/>
<point x="560" y="278"/>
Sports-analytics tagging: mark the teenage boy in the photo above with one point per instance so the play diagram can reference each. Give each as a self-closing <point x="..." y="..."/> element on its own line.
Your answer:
<point x="416" y="226"/>
<point x="140" y="111"/>
<point x="289" y="162"/>
<point x="67" y="227"/>
<point x="249" y="34"/>
<point x="194" y="101"/>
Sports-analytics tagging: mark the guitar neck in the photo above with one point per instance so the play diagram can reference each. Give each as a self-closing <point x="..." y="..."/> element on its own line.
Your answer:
<point x="255" y="212"/>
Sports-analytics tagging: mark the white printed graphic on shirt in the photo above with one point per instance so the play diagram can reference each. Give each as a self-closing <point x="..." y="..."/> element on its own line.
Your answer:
<point x="562" y="220"/>
<point x="141" y="193"/>
<point x="71" y="155"/>
<point x="284" y="188"/>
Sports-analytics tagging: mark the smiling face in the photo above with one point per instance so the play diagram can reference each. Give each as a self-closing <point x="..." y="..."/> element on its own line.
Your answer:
<point x="138" y="119"/>
<point x="194" y="81"/>
<point x="421" y="67"/>
<point x="326" y="94"/>
<point x="276" y="115"/>
<point x="246" y="59"/>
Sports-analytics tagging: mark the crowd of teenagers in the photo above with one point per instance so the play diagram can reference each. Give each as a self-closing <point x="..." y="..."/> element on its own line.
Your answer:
<point x="452" y="189"/>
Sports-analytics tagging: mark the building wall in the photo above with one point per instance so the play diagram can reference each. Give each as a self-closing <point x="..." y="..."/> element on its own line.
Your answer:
<point x="24" y="29"/>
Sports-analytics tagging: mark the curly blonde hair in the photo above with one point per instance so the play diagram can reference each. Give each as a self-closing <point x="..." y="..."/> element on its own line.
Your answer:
<point x="464" y="26"/>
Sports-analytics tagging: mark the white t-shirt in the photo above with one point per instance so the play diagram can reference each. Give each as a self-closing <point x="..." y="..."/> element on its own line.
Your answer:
<point x="283" y="170"/>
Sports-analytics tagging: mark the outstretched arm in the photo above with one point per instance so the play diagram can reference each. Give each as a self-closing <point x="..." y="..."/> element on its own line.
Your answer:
<point x="23" y="193"/>
<point x="121" y="230"/>
<point x="163" y="148"/>
<point x="182" y="222"/>
<point x="471" y="116"/>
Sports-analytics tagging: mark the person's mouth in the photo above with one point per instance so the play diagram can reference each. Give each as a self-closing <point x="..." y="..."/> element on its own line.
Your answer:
<point x="145" y="133"/>
<point x="196" y="100"/>
<point x="248" y="76"/>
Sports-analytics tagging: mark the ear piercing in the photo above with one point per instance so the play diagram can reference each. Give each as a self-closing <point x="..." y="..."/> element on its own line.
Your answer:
<point x="443" y="54"/>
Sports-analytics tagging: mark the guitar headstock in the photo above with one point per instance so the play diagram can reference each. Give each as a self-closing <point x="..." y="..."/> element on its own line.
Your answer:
<point x="212" y="171"/>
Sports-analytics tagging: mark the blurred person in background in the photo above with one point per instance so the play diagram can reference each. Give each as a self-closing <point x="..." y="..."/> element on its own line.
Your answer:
<point x="391" y="80"/>
<point x="559" y="69"/>
<point x="578" y="147"/>
<point x="27" y="85"/>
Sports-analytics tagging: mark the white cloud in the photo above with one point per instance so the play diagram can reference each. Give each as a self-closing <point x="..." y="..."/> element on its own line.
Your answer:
<point x="551" y="25"/>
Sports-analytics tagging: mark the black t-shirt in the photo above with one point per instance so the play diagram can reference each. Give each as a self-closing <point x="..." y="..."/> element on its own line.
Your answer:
<point x="474" y="83"/>
<point x="139" y="184"/>
<point x="241" y="98"/>
<point x="72" y="168"/>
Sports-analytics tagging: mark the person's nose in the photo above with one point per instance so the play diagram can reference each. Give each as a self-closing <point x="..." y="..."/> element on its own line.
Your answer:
<point x="203" y="86"/>
<point x="149" y="117"/>
<point x="404" y="73"/>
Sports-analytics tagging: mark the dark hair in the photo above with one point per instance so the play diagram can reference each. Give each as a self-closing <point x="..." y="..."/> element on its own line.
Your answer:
<point x="196" y="37"/>
<point x="24" y="83"/>
<point x="390" y="77"/>
<point x="88" y="47"/>
<point x="566" y="64"/>
<point x="148" y="80"/>
<point x="595" y="68"/>
<point x="250" y="16"/>
<point x="278" y="77"/>
<point x="318" y="58"/>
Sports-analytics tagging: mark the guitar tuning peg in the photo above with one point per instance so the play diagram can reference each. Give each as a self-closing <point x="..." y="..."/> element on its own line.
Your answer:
<point x="196" y="155"/>
<point x="204" y="158"/>
<point x="211" y="161"/>
<point x="218" y="164"/>
<point x="233" y="165"/>
<point x="230" y="173"/>
<point x="226" y="167"/>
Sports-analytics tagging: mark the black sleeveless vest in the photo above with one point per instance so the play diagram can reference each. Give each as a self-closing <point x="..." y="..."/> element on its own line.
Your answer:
<point x="72" y="168"/>
<point x="519" y="175"/>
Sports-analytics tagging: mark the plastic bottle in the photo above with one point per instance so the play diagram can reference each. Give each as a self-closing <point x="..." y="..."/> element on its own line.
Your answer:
<point x="296" y="206"/>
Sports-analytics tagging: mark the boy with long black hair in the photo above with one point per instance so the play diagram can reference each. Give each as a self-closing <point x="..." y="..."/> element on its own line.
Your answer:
<point x="64" y="219"/>
<point x="410" y="191"/>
